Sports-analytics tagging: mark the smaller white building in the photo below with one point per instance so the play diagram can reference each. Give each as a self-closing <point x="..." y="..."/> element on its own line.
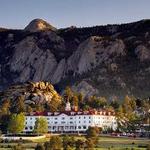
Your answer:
<point x="73" y="121"/>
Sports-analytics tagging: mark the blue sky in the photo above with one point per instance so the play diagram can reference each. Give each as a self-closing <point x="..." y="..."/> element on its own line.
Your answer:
<point x="64" y="13"/>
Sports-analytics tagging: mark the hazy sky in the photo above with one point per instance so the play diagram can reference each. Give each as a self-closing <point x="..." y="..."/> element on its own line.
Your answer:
<point x="64" y="13"/>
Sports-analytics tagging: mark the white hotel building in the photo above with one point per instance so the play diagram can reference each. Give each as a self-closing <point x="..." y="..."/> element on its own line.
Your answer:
<point x="73" y="121"/>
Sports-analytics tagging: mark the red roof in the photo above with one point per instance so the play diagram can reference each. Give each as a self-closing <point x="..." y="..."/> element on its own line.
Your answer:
<point x="73" y="113"/>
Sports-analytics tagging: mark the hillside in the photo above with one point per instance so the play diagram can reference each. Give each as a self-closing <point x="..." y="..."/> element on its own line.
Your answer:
<point x="103" y="60"/>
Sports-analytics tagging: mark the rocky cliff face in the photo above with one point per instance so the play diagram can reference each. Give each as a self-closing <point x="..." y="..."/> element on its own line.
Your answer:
<point x="106" y="60"/>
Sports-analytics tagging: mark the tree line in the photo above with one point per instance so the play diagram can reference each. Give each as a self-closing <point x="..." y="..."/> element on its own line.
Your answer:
<point x="131" y="110"/>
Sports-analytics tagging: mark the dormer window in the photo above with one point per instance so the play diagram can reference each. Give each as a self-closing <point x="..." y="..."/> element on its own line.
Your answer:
<point x="79" y="113"/>
<point x="49" y="113"/>
<point x="85" y="112"/>
<point x="72" y="113"/>
<point x="56" y="113"/>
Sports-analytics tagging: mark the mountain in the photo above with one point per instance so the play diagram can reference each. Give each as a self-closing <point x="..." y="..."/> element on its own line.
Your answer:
<point x="39" y="25"/>
<point x="101" y="60"/>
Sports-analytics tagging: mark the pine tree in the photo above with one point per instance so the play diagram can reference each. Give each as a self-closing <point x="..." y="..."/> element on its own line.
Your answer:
<point x="54" y="104"/>
<point x="18" y="105"/>
<point x="68" y="94"/>
<point x="5" y="107"/>
<point x="29" y="109"/>
<point x="75" y="102"/>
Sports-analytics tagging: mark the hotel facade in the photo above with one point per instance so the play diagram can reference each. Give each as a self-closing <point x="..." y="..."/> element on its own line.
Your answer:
<point x="73" y="121"/>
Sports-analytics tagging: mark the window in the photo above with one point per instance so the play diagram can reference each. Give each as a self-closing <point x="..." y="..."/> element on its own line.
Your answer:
<point x="55" y="122"/>
<point x="63" y="118"/>
<point x="79" y="127"/>
<point x="71" y="118"/>
<point x="72" y="113"/>
<point x="31" y="128"/>
<point x="55" y="118"/>
<point x="30" y="118"/>
<point x="84" y="127"/>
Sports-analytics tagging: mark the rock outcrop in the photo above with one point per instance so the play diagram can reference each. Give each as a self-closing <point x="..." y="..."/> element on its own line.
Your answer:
<point x="142" y="52"/>
<point x="33" y="92"/>
<point x="28" y="57"/>
<point x="85" y="88"/>
<point x="92" y="52"/>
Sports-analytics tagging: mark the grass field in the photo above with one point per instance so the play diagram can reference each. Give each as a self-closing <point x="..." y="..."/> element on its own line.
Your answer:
<point x="105" y="143"/>
<point x="118" y="143"/>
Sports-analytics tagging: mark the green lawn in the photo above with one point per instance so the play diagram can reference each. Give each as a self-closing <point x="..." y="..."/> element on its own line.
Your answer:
<point x="117" y="143"/>
<point x="125" y="140"/>
<point x="105" y="143"/>
<point x="120" y="148"/>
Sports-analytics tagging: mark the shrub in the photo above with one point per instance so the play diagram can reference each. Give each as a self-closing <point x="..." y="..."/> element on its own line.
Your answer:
<point x="148" y="147"/>
<point x="39" y="147"/>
